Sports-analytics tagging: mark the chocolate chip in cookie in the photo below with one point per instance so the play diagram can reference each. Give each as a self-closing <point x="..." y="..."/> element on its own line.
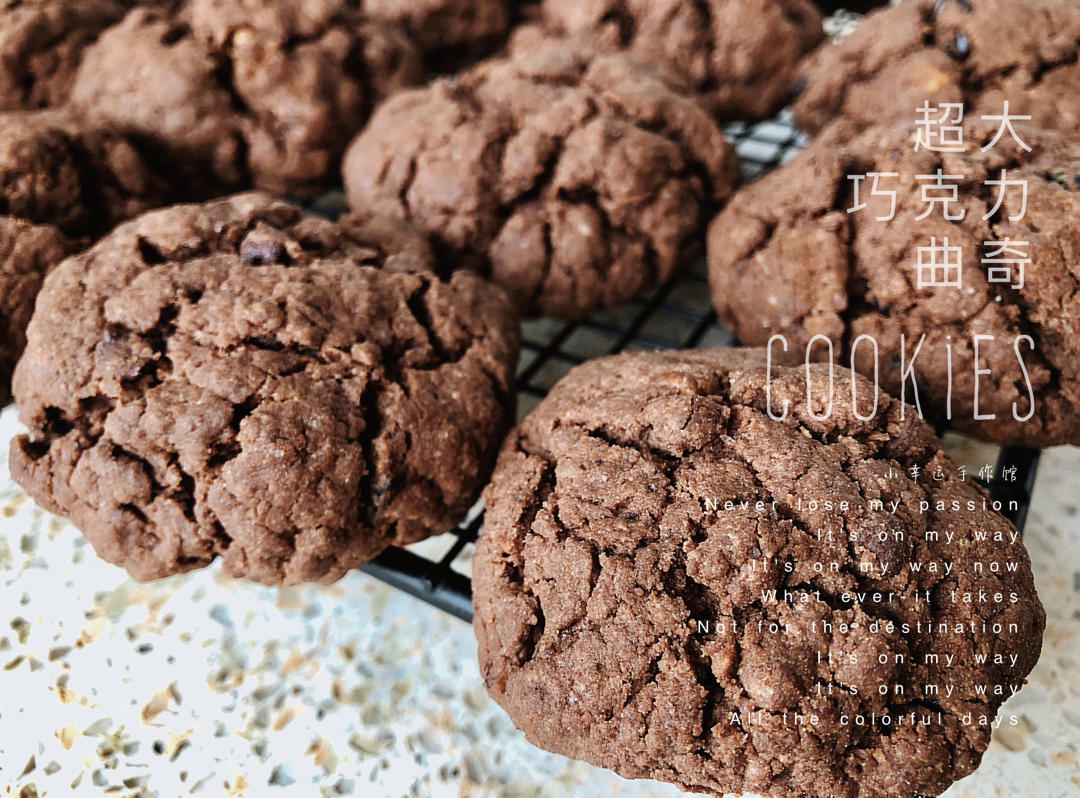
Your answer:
<point x="241" y="380"/>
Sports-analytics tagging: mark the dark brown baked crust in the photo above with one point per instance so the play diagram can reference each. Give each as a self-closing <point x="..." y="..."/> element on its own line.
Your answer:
<point x="575" y="182"/>
<point x="785" y="257"/>
<point x="240" y="380"/>
<point x="598" y="559"/>
<point x="978" y="52"/>
<point x="41" y="43"/>
<point x="27" y="253"/>
<point x="741" y="55"/>
<point x="263" y="94"/>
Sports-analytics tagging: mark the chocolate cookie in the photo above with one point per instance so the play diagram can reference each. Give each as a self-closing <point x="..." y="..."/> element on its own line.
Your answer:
<point x="240" y="380"/>
<point x="27" y="253"/>
<point x="741" y="55"/>
<point x="786" y="257"/>
<point x="976" y="52"/>
<point x="263" y="94"/>
<point x="41" y="43"/>
<point x="661" y="589"/>
<point x="575" y="182"/>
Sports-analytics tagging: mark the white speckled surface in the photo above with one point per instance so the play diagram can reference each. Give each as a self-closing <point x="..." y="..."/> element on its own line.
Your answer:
<point x="201" y="685"/>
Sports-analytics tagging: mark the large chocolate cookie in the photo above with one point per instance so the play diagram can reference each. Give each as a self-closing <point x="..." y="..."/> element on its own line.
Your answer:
<point x="27" y="253"/>
<point x="574" y="182"/>
<point x="741" y="55"/>
<point x="263" y="94"/>
<point x="624" y="582"/>
<point x="786" y="257"/>
<point x="976" y="52"/>
<point x="240" y="380"/>
<point x="41" y="43"/>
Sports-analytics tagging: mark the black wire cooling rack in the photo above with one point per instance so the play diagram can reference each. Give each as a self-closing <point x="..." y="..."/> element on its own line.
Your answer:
<point x="677" y="315"/>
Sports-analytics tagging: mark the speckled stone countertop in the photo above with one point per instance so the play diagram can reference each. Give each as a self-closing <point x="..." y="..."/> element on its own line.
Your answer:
<point x="205" y="686"/>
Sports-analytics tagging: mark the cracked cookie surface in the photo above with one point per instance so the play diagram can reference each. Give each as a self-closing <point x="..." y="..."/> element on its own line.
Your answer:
<point x="600" y="557"/>
<point x="574" y="181"/>
<point x="786" y="257"/>
<point x="740" y="55"/>
<point x="976" y="52"/>
<point x="240" y="380"/>
<point x="256" y="94"/>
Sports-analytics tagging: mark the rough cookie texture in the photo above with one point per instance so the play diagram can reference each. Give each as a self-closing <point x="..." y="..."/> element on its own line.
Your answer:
<point x="41" y="42"/>
<point x="976" y="52"/>
<point x="56" y="168"/>
<point x="600" y="556"/>
<point x="741" y="55"/>
<point x="447" y="31"/>
<point x="575" y="182"/>
<point x="785" y="257"/>
<point x="254" y="93"/>
<point x="240" y="380"/>
<point x="27" y="253"/>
